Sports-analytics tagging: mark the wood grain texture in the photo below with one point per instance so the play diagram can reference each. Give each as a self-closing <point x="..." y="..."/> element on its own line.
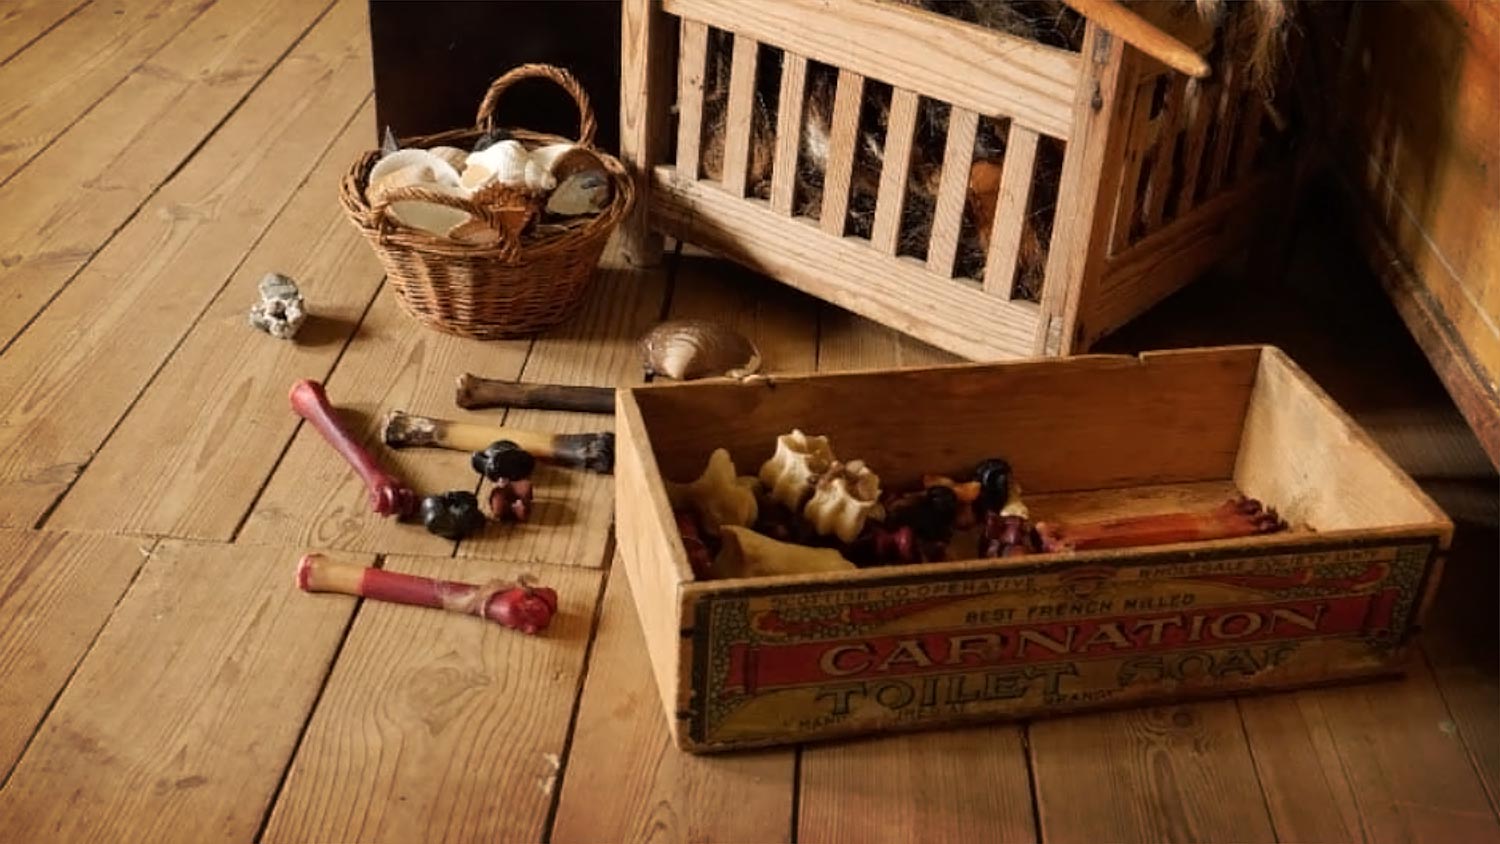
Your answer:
<point x="691" y="67"/>
<point x="1180" y="773"/>
<point x="437" y="726"/>
<point x="56" y="592"/>
<point x="200" y="442"/>
<point x="48" y="86"/>
<point x="953" y="785"/>
<point x="1091" y="173"/>
<point x="205" y="702"/>
<point x="78" y="191"/>
<point x="1016" y="177"/>
<point x="849" y="273"/>
<point x="1137" y="127"/>
<point x="141" y="294"/>
<point x="1168" y="130"/>
<point x="574" y="510"/>
<point x="645" y="107"/>
<point x="979" y="69"/>
<point x="314" y="498"/>
<point x="890" y="198"/>
<point x="948" y="213"/>
<point x="1385" y="757"/>
<point x="968" y="784"/>
<point x="788" y="131"/>
<point x="843" y="137"/>
<point x="739" y="114"/>
<point x="22" y="22"/>
<point x="1200" y="111"/>
<point x="626" y="781"/>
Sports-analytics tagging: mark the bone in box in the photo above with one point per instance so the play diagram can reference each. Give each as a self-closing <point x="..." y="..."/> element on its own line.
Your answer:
<point x="788" y="659"/>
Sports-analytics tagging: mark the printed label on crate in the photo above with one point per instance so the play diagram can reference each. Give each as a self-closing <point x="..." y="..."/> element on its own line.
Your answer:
<point x="825" y="660"/>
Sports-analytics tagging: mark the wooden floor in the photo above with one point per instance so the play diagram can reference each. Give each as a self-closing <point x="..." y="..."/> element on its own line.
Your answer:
<point x="161" y="679"/>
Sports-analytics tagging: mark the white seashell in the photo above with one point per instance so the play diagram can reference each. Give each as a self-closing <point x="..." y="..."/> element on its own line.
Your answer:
<point x="455" y="157"/>
<point x="842" y="500"/>
<point x="428" y="216"/>
<point x="503" y="162"/>
<point x="791" y="473"/>
<point x="419" y="165"/>
<point x="685" y="349"/>
<point x="537" y="177"/>
<point x="548" y="155"/>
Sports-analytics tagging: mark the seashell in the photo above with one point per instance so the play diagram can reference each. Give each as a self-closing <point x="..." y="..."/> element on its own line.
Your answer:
<point x="430" y="217"/>
<point x="564" y="160"/>
<point x="455" y="157"/>
<point x="474" y="232"/>
<point x="584" y="192"/>
<point x="746" y="553"/>
<point x="409" y="167"/>
<point x="1013" y="504"/>
<point x="501" y="163"/>
<point x="537" y="177"/>
<point x="791" y="473"/>
<point x="842" y="500"/>
<point x="718" y="496"/>
<point x="691" y="348"/>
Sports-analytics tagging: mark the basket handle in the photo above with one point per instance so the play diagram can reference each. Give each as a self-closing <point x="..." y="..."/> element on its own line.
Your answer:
<point x="508" y="245"/>
<point x="486" y="119"/>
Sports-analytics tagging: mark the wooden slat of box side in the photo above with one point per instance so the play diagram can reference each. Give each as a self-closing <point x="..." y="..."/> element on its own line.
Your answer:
<point x="951" y="314"/>
<point x="987" y="72"/>
<point x="1083" y="423"/>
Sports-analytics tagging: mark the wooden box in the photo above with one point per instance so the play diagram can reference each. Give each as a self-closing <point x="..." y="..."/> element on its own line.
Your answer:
<point x="1159" y="177"/>
<point x="775" y="660"/>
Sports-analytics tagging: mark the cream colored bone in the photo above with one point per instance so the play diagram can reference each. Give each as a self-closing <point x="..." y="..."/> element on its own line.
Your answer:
<point x="842" y="500"/>
<point x="791" y="473"/>
<point x="750" y="554"/>
<point x="718" y="496"/>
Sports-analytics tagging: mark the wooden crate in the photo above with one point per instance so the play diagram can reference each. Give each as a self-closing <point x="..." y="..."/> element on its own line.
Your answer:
<point x="1160" y="175"/>
<point x="776" y="660"/>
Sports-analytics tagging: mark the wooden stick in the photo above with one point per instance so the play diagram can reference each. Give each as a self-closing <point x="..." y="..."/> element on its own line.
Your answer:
<point x="475" y="392"/>
<point x="518" y="606"/>
<point x="595" y="452"/>
<point x="1143" y="35"/>
<point x="1236" y="518"/>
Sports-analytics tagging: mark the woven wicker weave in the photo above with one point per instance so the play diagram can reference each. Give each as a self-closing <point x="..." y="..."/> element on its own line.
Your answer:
<point x="523" y="284"/>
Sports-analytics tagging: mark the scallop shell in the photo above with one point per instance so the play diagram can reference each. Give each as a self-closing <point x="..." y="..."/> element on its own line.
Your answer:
<point x="409" y="167"/>
<point x="792" y="472"/>
<point x="691" y="348"/>
<point x="842" y="500"/>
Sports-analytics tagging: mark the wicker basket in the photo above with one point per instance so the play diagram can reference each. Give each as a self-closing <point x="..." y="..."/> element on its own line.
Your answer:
<point x="532" y="278"/>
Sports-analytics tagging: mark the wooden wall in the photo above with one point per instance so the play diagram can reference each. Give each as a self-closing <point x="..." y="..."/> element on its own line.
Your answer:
<point x="1417" y="136"/>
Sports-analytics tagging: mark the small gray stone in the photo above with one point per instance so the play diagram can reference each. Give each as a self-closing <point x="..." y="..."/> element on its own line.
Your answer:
<point x="279" y="312"/>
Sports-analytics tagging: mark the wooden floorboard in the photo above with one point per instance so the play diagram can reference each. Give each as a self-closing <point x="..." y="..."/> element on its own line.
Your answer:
<point x="47" y="87"/>
<point x="625" y="780"/>
<point x="179" y="722"/>
<point x="56" y="591"/>
<point x="78" y="192"/>
<point x="199" y="444"/>
<point x="575" y="510"/>
<point x="75" y="371"/>
<point x="22" y="22"/>
<point x="438" y="726"/>
<point x="950" y="785"/>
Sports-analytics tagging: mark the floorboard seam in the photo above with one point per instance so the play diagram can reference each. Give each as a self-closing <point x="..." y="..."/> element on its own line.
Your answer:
<point x="265" y="484"/>
<point x="107" y="92"/>
<point x="40" y="35"/>
<point x="1265" y="799"/>
<point x="166" y="180"/>
<point x="198" y="317"/>
<point x="1458" y="729"/>
<point x="555" y="798"/>
<point x="1029" y="755"/>
<point x="146" y="554"/>
<point x="796" y="815"/>
<point x="333" y="661"/>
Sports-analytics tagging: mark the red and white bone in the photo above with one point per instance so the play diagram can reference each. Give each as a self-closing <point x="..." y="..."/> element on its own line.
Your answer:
<point x="389" y="496"/>
<point x="518" y="606"/>
<point x="1236" y="518"/>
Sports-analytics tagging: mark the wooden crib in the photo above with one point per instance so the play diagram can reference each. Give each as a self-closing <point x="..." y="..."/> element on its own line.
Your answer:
<point x="1160" y="174"/>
